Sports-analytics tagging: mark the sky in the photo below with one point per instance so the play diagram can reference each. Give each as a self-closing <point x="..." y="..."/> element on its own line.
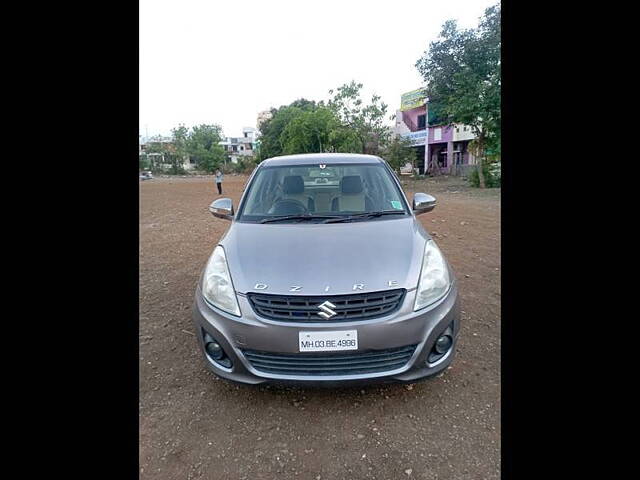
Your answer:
<point x="223" y="61"/>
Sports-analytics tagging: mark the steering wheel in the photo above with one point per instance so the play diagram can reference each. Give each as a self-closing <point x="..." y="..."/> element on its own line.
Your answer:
<point x="288" y="206"/>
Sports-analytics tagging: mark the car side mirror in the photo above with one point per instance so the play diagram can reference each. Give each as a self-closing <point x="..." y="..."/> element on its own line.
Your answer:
<point x="423" y="203"/>
<point x="222" y="208"/>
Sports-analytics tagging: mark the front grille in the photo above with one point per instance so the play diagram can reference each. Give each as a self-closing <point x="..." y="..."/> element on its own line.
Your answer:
<point x="362" y="306"/>
<point x="323" y="364"/>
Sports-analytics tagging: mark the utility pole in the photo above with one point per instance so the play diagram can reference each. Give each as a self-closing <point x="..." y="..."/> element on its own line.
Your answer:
<point x="426" y="140"/>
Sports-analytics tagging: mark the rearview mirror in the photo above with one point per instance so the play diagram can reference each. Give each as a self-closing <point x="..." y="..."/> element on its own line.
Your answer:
<point x="423" y="203"/>
<point x="222" y="208"/>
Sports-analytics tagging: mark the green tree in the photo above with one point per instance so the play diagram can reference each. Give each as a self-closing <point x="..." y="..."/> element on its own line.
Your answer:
<point x="180" y="135"/>
<point x="344" y="124"/>
<point x="366" y="122"/>
<point x="304" y="104"/>
<point x="202" y="143"/>
<point x="317" y="131"/>
<point x="168" y="155"/>
<point x="462" y="73"/>
<point x="178" y="149"/>
<point x="309" y="132"/>
<point x="158" y="154"/>
<point x="399" y="152"/>
<point x="272" y="129"/>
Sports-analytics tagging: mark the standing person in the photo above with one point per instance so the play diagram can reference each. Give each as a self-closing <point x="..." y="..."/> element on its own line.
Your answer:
<point x="219" y="181"/>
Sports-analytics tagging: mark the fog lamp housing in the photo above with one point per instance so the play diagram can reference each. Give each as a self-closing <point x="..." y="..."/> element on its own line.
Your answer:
<point x="442" y="346"/>
<point x="215" y="351"/>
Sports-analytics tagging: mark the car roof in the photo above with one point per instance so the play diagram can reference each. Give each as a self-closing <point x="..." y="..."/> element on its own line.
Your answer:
<point x="316" y="158"/>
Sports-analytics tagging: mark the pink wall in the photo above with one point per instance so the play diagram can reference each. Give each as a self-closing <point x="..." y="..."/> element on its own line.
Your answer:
<point x="414" y="112"/>
<point x="447" y="134"/>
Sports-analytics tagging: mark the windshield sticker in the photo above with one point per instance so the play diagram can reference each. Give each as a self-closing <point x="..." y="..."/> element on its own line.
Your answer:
<point x="395" y="204"/>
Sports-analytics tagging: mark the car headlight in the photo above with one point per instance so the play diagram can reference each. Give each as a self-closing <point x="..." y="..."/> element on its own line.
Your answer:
<point x="217" y="287"/>
<point x="434" y="277"/>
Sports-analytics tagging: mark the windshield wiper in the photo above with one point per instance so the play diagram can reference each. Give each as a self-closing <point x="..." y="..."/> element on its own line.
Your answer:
<point x="365" y="215"/>
<point x="305" y="216"/>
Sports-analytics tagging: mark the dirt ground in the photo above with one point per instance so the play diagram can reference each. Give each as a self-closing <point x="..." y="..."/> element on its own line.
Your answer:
<point x="194" y="425"/>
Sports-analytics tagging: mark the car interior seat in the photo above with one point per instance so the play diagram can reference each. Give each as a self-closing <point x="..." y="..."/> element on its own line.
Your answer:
<point x="293" y="188"/>
<point x="352" y="197"/>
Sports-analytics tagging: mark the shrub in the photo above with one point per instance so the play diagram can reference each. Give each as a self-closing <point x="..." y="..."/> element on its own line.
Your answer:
<point x="492" y="176"/>
<point x="244" y="164"/>
<point x="239" y="166"/>
<point x="144" y="163"/>
<point x="176" y="169"/>
<point x="495" y="169"/>
<point x="398" y="153"/>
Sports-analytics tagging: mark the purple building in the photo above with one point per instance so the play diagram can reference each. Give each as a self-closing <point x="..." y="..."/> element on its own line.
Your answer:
<point x="448" y="149"/>
<point x="439" y="148"/>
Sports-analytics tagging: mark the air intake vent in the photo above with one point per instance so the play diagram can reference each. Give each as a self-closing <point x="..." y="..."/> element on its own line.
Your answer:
<point x="317" y="364"/>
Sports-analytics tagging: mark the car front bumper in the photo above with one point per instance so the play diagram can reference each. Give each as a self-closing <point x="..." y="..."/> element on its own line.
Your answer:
<point x="402" y="328"/>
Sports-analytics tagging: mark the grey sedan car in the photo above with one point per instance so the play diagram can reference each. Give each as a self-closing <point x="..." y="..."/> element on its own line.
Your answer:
<point x="326" y="276"/>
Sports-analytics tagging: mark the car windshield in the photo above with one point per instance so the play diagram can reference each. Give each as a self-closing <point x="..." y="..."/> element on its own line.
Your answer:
<point x="304" y="192"/>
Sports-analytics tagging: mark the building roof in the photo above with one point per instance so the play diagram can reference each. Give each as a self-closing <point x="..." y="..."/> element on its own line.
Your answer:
<point x="155" y="139"/>
<point x="314" y="158"/>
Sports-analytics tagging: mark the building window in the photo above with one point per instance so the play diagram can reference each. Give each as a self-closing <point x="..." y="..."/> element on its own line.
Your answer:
<point x="422" y="122"/>
<point x="234" y="148"/>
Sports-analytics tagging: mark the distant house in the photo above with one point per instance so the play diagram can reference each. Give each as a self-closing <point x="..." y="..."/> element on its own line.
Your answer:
<point x="159" y="150"/>
<point x="242" y="146"/>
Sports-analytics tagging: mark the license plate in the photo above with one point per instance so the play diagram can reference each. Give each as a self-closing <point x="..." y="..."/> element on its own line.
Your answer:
<point x="328" y="341"/>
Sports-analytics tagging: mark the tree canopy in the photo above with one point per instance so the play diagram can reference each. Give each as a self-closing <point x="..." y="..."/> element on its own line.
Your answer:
<point x="342" y="124"/>
<point x="366" y="122"/>
<point x="399" y="152"/>
<point x="271" y="130"/>
<point x="309" y="131"/>
<point x="202" y="143"/>
<point x="461" y="70"/>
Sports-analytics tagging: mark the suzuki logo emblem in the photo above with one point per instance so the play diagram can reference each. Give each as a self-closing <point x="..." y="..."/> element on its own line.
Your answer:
<point x="326" y="310"/>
